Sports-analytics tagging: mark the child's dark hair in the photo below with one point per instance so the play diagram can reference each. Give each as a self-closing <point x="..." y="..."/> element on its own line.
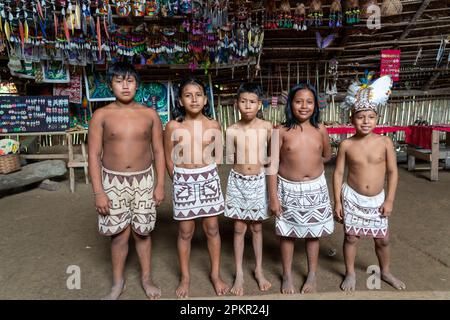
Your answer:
<point x="178" y="111"/>
<point x="122" y="69"/>
<point x="250" y="87"/>
<point x="291" y="121"/>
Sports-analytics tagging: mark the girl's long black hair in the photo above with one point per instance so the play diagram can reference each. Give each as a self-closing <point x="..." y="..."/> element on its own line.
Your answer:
<point x="178" y="111"/>
<point x="291" y="122"/>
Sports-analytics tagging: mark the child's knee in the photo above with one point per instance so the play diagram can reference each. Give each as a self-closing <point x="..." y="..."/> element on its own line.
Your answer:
<point x="240" y="229"/>
<point x="381" y="242"/>
<point x="186" y="234"/>
<point x="212" y="231"/>
<point x="350" y="239"/>
<point x="256" y="227"/>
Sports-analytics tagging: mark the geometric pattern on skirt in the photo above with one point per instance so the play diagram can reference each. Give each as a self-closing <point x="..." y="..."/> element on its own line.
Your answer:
<point x="361" y="214"/>
<point x="246" y="197"/>
<point x="306" y="209"/>
<point x="131" y="194"/>
<point x="197" y="193"/>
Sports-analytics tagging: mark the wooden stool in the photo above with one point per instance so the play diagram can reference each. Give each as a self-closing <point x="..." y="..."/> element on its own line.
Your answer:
<point x="76" y="161"/>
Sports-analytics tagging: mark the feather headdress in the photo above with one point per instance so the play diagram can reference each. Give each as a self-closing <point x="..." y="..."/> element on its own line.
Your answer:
<point x="362" y="97"/>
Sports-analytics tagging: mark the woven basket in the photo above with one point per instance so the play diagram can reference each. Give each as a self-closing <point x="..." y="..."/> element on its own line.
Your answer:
<point x="391" y="8"/>
<point x="9" y="163"/>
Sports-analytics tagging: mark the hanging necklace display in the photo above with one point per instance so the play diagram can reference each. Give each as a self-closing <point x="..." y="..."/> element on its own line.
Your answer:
<point x="335" y="20"/>
<point x="300" y="17"/>
<point x="284" y="16"/>
<point x="315" y="13"/>
<point x="352" y="11"/>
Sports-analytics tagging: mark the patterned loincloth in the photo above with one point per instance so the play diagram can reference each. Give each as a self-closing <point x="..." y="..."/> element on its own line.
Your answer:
<point x="361" y="214"/>
<point x="196" y="193"/>
<point x="306" y="209"/>
<point x="131" y="194"/>
<point x="246" y="197"/>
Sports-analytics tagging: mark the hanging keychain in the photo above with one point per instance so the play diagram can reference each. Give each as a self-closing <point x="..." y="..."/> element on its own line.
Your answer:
<point x="335" y="20"/>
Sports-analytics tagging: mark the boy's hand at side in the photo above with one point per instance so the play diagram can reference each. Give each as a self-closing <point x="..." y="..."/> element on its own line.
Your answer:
<point x="338" y="214"/>
<point x="158" y="195"/>
<point x="275" y="207"/>
<point x="102" y="204"/>
<point x="386" y="208"/>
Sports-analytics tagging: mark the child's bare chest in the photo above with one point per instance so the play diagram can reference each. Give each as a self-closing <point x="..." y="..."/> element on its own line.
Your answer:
<point x="295" y="143"/>
<point x="366" y="155"/>
<point x="127" y="128"/>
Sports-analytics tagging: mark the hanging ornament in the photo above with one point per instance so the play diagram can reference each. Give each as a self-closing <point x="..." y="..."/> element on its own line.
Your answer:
<point x="284" y="15"/>
<point x="315" y="13"/>
<point x="138" y="8"/>
<point x="169" y="8"/>
<point x="123" y="8"/>
<point x="335" y="20"/>
<point x="152" y="8"/>
<point x="270" y="15"/>
<point x="352" y="11"/>
<point x="300" y="18"/>
<point x="391" y="8"/>
<point x="185" y="6"/>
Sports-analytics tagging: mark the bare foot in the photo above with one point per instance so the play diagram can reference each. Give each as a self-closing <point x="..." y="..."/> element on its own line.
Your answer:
<point x="220" y="287"/>
<point x="183" y="289"/>
<point x="310" y="284"/>
<point x="263" y="283"/>
<point x="238" y="286"/>
<point x="287" y="286"/>
<point x="393" y="281"/>
<point x="349" y="282"/>
<point x="152" y="291"/>
<point x="116" y="291"/>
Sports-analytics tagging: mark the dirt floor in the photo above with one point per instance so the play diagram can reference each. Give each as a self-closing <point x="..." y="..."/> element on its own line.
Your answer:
<point x="45" y="232"/>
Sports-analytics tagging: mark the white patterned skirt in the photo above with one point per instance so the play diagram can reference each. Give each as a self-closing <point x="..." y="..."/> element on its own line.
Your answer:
<point x="197" y="193"/>
<point x="246" y="197"/>
<point x="306" y="209"/>
<point x="361" y="214"/>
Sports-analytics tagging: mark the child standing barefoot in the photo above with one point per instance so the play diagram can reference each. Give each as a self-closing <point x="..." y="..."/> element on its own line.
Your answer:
<point x="361" y="202"/>
<point x="299" y="195"/>
<point x="124" y="140"/>
<point x="246" y="199"/>
<point x="188" y="142"/>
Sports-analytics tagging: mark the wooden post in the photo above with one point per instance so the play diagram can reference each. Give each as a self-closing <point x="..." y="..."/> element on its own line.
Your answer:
<point x="434" y="155"/>
<point x="71" y="169"/>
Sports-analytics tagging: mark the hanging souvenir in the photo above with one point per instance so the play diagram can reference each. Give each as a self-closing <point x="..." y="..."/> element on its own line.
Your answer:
<point x="169" y="8"/>
<point x="138" y="8"/>
<point x="243" y="9"/>
<point x="352" y="11"/>
<point x="151" y="8"/>
<point x="315" y="13"/>
<point x="300" y="18"/>
<point x="185" y="6"/>
<point x="123" y="8"/>
<point x="284" y="15"/>
<point x="365" y="12"/>
<point x="270" y="15"/>
<point x="391" y="8"/>
<point x="335" y="20"/>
